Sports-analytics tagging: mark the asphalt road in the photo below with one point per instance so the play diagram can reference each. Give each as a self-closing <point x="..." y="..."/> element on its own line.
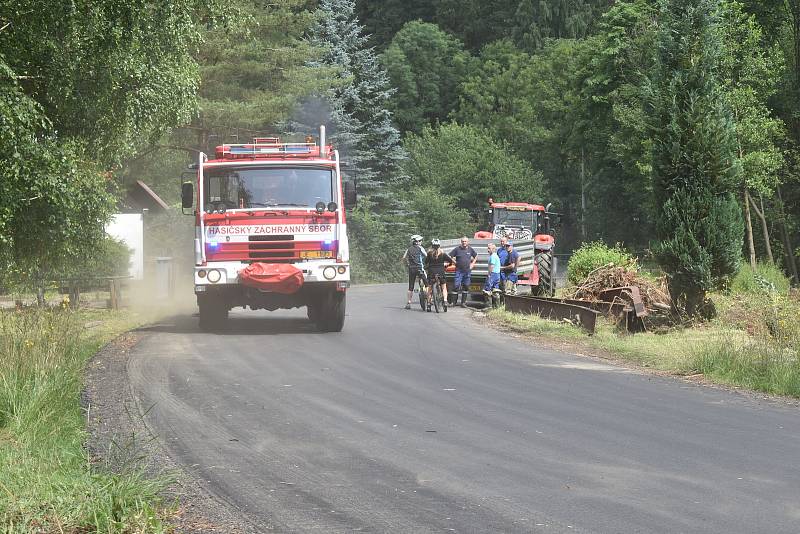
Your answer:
<point x="415" y="422"/>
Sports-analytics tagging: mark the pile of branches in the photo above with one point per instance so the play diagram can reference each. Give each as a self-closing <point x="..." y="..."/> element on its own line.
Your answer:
<point x="654" y="294"/>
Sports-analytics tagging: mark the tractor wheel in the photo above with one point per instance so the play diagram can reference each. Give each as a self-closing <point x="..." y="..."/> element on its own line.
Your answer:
<point x="547" y="282"/>
<point x="213" y="313"/>
<point x="330" y="317"/>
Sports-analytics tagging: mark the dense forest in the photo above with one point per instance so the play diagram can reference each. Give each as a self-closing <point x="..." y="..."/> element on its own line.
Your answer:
<point x="671" y="127"/>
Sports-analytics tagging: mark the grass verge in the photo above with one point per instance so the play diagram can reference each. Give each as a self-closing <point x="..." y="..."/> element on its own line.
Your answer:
<point x="754" y="343"/>
<point x="48" y="481"/>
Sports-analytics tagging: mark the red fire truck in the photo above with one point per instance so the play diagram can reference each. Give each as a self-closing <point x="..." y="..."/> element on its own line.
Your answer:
<point x="270" y="230"/>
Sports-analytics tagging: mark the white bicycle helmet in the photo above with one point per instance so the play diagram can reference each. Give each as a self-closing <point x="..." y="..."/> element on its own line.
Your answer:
<point x="435" y="242"/>
<point x="416" y="238"/>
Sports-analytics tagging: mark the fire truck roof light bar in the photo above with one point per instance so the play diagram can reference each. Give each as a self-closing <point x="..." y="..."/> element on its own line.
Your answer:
<point x="258" y="148"/>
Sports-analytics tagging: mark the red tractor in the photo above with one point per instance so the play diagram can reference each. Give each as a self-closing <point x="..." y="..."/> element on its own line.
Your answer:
<point x="523" y="222"/>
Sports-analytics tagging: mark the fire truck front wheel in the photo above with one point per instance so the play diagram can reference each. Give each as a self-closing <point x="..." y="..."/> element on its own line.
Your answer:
<point x="330" y="314"/>
<point x="213" y="313"/>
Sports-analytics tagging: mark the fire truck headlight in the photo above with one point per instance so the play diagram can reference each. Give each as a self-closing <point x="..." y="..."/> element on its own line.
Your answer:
<point x="201" y="273"/>
<point x="214" y="276"/>
<point x="329" y="273"/>
<point x="342" y="269"/>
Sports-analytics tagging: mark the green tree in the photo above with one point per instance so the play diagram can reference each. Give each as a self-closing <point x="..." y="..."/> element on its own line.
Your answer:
<point x="613" y="135"/>
<point x="531" y="103"/>
<point x="254" y="67"/>
<point x="253" y="73"/>
<point x="426" y="65"/>
<point x="536" y="21"/>
<point x="375" y="251"/>
<point x="476" y="22"/>
<point x="751" y="72"/>
<point x="468" y="165"/>
<point x="435" y="215"/>
<point x="363" y="124"/>
<point x="111" y="75"/>
<point x="54" y="200"/>
<point x="695" y="168"/>
<point x="383" y="18"/>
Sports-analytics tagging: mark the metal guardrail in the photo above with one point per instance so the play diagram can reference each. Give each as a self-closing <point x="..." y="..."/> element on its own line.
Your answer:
<point x="625" y="305"/>
<point x="524" y="248"/>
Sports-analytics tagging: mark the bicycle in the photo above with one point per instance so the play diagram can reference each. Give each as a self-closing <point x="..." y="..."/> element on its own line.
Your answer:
<point x="439" y="303"/>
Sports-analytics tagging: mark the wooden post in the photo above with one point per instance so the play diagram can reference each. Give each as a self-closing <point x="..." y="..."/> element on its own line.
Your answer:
<point x="749" y="228"/>
<point x="114" y="297"/>
<point x="74" y="294"/>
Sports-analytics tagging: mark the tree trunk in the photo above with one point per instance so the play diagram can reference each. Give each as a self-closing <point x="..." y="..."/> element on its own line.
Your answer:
<point x="583" y="199"/>
<point x="749" y="229"/>
<point x="764" y="228"/>
<point x="787" y="242"/>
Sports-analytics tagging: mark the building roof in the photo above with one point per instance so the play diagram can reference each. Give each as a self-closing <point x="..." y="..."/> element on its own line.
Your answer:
<point x="141" y="197"/>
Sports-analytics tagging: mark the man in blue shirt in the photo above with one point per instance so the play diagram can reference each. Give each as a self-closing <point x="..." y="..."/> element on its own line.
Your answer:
<point x="502" y="253"/>
<point x="509" y="268"/>
<point x="493" y="270"/>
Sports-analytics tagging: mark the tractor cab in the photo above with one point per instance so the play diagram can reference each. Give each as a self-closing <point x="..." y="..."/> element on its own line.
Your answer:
<point x="517" y="220"/>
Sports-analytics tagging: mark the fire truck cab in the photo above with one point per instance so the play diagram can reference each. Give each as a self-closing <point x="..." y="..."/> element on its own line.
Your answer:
<point x="270" y="230"/>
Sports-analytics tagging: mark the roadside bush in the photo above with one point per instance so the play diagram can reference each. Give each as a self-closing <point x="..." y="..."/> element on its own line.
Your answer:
<point x="591" y="256"/>
<point x="374" y="251"/>
<point x="47" y="483"/>
<point x="765" y="278"/>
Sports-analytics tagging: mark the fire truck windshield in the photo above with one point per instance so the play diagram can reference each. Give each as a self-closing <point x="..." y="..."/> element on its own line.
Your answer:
<point x="265" y="187"/>
<point x="514" y="218"/>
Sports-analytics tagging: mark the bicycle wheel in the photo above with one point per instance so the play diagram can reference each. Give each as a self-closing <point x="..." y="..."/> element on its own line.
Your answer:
<point x="437" y="297"/>
<point x="423" y="296"/>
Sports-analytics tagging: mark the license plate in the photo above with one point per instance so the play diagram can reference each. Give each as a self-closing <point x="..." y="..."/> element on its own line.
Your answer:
<point x="475" y="287"/>
<point x="315" y="254"/>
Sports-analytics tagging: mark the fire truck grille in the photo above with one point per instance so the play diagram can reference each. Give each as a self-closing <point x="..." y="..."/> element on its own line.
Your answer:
<point x="270" y="248"/>
<point x="276" y="248"/>
<point x="271" y="238"/>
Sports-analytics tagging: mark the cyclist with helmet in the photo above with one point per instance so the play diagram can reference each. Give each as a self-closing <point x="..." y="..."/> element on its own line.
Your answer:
<point x="414" y="258"/>
<point x="435" y="263"/>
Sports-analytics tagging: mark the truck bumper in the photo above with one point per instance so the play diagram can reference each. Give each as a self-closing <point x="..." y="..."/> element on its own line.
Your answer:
<point x="227" y="273"/>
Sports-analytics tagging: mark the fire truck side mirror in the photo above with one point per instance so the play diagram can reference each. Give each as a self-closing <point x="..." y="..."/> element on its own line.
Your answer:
<point x="187" y="195"/>
<point x="349" y="195"/>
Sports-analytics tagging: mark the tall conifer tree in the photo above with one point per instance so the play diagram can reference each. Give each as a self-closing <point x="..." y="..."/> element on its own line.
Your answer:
<point x="695" y="169"/>
<point x="362" y="123"/>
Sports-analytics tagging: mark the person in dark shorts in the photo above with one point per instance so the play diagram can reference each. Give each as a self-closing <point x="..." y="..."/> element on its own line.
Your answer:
<point x="414" y="258"/>
<point x="464" y="257"/>
<point x="435" y="263"/>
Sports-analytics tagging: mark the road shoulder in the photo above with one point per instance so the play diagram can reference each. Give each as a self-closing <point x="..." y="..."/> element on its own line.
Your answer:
<point x="119" y="438"/>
